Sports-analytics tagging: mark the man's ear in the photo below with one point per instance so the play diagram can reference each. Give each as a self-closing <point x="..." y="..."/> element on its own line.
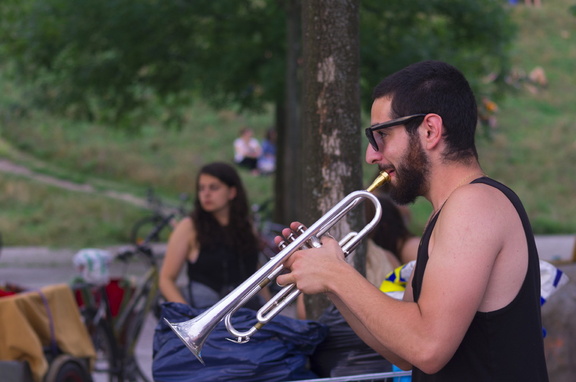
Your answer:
<point x="431" y="130"/>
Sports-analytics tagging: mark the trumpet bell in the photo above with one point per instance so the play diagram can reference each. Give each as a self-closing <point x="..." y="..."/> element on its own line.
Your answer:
<point x="193" y="333"/>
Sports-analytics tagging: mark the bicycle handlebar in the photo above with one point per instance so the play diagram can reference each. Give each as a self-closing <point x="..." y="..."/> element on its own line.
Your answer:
<point x="144" y="248"/>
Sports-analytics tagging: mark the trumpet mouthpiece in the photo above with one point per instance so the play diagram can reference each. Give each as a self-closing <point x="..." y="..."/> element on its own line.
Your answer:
<point x="382" y="178"/>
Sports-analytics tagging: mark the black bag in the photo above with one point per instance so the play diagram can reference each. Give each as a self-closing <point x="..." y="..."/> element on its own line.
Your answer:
<point x="343" y="353"/>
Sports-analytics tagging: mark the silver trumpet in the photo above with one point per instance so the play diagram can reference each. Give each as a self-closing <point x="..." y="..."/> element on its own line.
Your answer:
<point x="194" y="332"/>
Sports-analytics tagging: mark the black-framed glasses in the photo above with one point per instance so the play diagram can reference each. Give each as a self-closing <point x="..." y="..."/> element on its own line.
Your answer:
<point x="395" y="122"/>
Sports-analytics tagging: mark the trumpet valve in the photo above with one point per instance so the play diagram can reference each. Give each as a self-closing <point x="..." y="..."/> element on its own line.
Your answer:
<point x="290" y="238"/>
<point x="314" y="242"/>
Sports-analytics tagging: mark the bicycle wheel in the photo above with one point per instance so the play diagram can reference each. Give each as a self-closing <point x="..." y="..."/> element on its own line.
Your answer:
<point x="141" y="304"/>
<point x="131" y="371"/>
<point x="66" y="368"/>
<point x="106" y="353"/>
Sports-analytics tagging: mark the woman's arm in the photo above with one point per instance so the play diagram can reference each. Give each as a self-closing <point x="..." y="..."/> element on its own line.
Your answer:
<point x="180" y="245"/>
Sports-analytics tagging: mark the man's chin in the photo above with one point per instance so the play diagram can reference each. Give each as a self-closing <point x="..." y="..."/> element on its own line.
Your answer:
<point x="401" y="198"/>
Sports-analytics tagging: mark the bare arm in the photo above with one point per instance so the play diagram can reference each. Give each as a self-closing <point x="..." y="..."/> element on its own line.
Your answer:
<point x="178" y="249"/>
<point x="467" y="240"/>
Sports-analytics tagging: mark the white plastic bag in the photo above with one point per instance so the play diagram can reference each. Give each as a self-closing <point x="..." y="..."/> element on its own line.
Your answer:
<point x="93" y="265"/>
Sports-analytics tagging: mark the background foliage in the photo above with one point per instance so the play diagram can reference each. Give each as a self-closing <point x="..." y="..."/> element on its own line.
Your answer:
<point x="532" y="149"/>
<point x="122" y="62"/>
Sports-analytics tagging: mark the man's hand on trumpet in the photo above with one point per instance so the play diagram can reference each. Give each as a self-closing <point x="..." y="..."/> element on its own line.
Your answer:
<point x="312" y="269"/>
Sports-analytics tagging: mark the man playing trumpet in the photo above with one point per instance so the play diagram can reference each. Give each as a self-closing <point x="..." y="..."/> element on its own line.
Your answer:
<point x="471" y="311"/>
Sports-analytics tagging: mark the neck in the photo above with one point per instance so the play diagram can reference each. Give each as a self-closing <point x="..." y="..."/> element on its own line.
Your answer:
<point x="442" y="187"/>
<point x="222" y="217"/>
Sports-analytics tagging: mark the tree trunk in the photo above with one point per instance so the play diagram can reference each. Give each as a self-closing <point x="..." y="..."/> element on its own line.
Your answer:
<point x="331" y="158"/>
<point x="289" y="176"/>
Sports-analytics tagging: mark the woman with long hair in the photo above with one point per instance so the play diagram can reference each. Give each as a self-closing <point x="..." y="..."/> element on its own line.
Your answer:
<point x="216" y="242"/>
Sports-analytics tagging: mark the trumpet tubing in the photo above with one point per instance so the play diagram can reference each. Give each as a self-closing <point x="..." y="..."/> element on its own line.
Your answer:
<point x="194" y="332"/>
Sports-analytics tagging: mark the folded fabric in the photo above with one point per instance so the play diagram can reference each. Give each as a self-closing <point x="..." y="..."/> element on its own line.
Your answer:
<point x="277" y="352"/>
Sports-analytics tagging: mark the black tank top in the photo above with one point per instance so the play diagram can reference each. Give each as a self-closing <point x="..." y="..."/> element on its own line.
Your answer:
<point x="221" y="268"/>
<point x="502" y="345"/>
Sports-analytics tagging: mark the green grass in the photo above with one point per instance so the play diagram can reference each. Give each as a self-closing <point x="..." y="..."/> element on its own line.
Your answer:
<point x="107" y="159"/>
<point x="533" y="150"/>
<point x="534" y="147"/>
<point x="35" y="214"/>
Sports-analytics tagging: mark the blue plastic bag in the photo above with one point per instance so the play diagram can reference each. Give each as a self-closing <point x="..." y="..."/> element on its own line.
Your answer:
<point x="277" y="352"/>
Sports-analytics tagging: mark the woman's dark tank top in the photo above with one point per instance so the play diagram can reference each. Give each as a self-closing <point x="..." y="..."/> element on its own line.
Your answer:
<point x="221" y="268"/>
<point x="502" y="345"/>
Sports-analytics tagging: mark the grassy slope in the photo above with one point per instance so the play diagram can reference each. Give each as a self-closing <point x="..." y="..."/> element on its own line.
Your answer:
<point x="34" y="214"/>
<point x="106" y="159"/>
<point x="533" y="150"/>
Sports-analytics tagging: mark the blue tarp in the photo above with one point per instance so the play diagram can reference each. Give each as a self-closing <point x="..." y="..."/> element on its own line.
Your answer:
<point x="277" y="352"/>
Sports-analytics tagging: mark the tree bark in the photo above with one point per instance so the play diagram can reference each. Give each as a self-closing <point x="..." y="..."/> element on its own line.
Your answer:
<point x="288" y="194"/>
<point x="331" y="158"/>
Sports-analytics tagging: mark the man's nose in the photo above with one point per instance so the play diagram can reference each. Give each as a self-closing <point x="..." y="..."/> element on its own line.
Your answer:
<point x="372" y="156"/>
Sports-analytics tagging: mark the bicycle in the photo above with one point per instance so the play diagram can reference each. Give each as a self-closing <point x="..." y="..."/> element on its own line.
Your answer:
<point x="159" y="212"/>
<point x="115" y="330"/>
<point x="156" y="227"/>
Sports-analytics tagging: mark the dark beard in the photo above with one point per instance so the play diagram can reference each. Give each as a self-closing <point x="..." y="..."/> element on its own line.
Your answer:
<point x="412" y="174"/>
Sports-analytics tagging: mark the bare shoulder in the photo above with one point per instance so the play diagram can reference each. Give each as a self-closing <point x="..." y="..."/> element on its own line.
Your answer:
<point x="184" y="232"/>
<point x="479" y="204"/>
<point x="480" y="222"/>
<point x="470" y="234"/>
<point x="185" y="225"/>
